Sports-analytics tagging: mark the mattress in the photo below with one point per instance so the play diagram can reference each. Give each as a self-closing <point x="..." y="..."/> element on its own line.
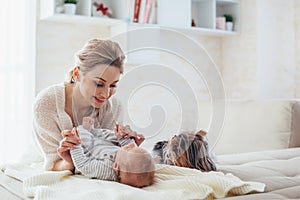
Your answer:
<point x="278" y="169"/>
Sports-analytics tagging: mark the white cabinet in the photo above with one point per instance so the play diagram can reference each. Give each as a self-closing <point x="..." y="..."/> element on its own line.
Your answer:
<point x="231" y="7"/>
<point x="174" y="13"/>
<point x="203" y="13"/>
<point x="177" y="14"/>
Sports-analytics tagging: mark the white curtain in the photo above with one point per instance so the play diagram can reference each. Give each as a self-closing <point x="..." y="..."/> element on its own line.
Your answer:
<point x="17" y="59"/>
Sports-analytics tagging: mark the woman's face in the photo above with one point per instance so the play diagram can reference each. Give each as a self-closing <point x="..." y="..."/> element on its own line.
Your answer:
<point x="99" y="84"/>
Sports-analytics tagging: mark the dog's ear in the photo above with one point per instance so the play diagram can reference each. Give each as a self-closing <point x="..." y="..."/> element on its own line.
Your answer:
<point x="159" y="145"/>
<point x="201" y="133"/>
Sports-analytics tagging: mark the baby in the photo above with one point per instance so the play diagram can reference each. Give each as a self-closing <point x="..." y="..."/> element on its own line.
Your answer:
<point x="112" y="155"/>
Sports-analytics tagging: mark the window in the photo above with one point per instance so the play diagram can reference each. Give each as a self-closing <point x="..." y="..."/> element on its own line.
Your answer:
<point x="17" y="60"/>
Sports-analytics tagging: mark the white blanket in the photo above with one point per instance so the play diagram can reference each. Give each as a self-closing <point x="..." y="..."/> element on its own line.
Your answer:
<point x="170" y="183"/>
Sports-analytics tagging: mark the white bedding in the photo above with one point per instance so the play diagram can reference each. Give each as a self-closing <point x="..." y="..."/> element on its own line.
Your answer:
<point x="10" y="188"/>
<point x="170" y="183"/>
<point x="278" y="169"/>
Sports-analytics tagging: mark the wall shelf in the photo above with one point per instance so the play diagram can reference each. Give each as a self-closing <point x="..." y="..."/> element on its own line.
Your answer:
<point x="176" y="14"/>
<point x="80" y="19"/>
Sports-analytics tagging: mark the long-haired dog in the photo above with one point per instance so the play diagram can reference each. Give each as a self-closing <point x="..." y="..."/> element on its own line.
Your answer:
<point x="188" y="149"/>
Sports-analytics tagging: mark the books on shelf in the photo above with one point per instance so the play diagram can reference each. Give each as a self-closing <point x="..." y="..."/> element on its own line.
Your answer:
<point x="144" y="11"/>
<point x="147" y="11"/>
<point x="136" y="12"/>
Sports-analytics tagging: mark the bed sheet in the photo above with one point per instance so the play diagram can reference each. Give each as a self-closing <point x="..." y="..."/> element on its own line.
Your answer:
<point x="170" y="183"/>
<point x="278" y="169"/>
<point x="10" y="188"/>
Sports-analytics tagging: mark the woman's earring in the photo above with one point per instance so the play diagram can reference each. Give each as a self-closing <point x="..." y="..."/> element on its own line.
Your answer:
<point x="75" y="77"/>
<point x="73" y="80"/>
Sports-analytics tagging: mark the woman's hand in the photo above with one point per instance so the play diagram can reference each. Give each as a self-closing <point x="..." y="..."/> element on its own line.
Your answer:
<point x="69" y="141"/>
<point x="126" y="132"/>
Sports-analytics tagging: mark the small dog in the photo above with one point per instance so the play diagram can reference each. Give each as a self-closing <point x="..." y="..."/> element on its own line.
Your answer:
<point x="187" y="149"/>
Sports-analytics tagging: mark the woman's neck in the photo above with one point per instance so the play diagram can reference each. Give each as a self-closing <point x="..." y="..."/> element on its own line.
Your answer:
<point x="76" y="105"/>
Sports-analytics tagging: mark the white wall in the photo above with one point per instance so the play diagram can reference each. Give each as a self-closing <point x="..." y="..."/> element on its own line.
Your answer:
<point x="262" y="62"/>
<point x="163" y="99"/>
<point x="276" y="61"/>
<point x="239" y="63"/>
<point x="297" y="44"/>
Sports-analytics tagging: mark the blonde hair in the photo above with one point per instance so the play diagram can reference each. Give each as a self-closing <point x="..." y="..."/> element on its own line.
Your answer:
<point x="97" y="51"/>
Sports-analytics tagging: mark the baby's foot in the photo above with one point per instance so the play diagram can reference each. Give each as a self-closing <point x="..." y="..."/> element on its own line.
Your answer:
<point x="88" y="123"/>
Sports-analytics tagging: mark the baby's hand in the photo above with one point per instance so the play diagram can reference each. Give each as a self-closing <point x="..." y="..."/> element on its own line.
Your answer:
<point x="126" y="132"/>
<point x="88" y="123"/>
<point x="123" y="131"/>
<point x="139" y="139"/>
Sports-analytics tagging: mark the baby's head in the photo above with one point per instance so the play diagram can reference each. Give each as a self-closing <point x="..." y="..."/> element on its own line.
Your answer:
<point x="134" y="166"/>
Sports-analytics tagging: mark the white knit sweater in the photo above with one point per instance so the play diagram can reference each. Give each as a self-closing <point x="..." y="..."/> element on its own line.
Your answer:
<point x="50" y="119"/>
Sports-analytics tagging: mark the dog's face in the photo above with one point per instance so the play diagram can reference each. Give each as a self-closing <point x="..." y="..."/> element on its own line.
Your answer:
<point x="190" y="150"/>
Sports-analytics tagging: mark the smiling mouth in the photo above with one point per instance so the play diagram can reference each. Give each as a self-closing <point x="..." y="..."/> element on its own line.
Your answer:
<point x="99" y="100"/>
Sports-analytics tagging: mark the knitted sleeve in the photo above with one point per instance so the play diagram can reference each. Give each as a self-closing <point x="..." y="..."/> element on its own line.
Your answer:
<point x="46" y="127"/>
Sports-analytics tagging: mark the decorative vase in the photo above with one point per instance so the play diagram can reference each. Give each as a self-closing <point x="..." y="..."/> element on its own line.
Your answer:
<point x="220" y="23"/>
<point x="229" y="26"/>
<point x="70" y="8"/>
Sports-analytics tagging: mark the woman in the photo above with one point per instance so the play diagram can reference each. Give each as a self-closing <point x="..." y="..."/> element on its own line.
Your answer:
<point x="87" y="92"/>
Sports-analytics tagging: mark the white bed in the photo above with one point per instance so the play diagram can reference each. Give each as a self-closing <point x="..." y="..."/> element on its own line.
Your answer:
<point x="276" y="169"/>
<point x="10" y="188"/>
<point x="250" y="125"/>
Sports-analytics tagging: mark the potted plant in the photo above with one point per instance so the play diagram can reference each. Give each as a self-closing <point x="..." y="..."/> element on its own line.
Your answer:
<point x="70" y="7"/>
<point x="229" y="22"/>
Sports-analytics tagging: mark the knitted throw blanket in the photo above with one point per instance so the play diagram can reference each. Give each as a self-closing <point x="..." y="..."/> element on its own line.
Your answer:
<point x="170" y="183"/>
